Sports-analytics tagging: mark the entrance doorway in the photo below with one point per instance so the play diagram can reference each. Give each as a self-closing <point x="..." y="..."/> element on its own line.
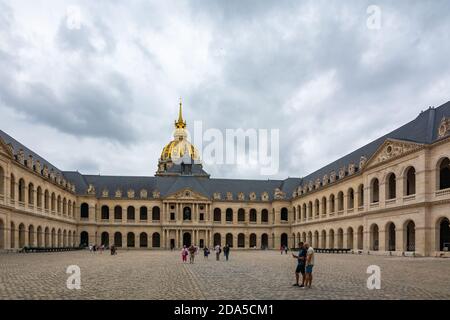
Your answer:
<point x="187" y="239"/>
<point x="172" y="243"/>
<point x="202" y="243"/>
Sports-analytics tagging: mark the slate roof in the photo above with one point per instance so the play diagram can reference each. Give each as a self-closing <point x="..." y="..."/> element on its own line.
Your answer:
<point x="423" y="129"/>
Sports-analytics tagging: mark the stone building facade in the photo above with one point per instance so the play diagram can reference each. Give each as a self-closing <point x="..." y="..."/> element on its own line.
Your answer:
<point x="391" y="196"/>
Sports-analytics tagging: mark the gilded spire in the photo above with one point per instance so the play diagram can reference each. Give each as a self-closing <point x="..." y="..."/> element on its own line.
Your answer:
<point x="180" y="124"/>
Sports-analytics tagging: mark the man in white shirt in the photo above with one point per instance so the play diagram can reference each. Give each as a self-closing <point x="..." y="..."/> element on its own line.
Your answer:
<point x="309" y="265"/>
<point x="217" y="250"/>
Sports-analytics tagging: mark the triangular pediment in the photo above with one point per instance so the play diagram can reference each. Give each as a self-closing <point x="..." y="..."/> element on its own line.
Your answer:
<point x="392" y="149"/>
<point x="5" y="149"/>
<point x="186" y="194"/>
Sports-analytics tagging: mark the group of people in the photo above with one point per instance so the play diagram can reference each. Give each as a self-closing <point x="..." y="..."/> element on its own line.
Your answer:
<point x="305" y="264"/>
<point x="193" y="250"/>
<point x="95" y="248"/>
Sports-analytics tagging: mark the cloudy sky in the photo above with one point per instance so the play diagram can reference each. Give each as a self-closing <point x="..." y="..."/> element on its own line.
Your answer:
<point x="99" y="94"/>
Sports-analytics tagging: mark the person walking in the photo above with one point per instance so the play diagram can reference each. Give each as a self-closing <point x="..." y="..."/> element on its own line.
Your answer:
<point x="217" y="250"/>
<point x="309" y="265"/>
<point x="205" y="252"/>
<point x="226" y="251"/>
<point x="301" y="260"/>
<point x="192" y="251"/>
<point x="184" y="254"/>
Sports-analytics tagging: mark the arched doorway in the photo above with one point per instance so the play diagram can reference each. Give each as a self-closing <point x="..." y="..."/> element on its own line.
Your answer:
<point x="143" y="241"/>
<point x="229" y="239"/>
<point x="217" y="239"/>
<point x="284" y="240"/>
<point x="264" y="241"/>
<point x="253" y="240"/>
<point x="118" y="239"/>
<point x="187" y="239"/>
<point x="410" y="236"/>
<point x="84" y="239"/>
<point x="390" y="234"/>
<point x="360" y="238"/>
<point x="105" y="239"/>
<point x="374" y="239"/>
<point x="156" y="240"/>
<point x="350" y="238"/>
<point x="241" y="240"/>
<point x="444" y="235"/>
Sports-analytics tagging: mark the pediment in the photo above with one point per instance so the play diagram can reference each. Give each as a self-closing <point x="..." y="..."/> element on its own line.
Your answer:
<point x="5" y="149"/>
<point x="186" y="194"/>
<point x="392" y="149"/>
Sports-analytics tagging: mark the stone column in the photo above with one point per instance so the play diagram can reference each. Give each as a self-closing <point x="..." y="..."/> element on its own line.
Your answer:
<point x="399" y="239"/>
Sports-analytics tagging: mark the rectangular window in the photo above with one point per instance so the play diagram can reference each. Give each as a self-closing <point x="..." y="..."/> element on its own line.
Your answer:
<point x="172" y="216"/>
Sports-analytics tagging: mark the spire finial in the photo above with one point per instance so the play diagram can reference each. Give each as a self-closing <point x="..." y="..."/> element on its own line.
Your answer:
<point x="180" y="124"/>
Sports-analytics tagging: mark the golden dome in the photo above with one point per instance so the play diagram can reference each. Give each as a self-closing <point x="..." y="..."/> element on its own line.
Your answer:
<point x="179" y="146"/>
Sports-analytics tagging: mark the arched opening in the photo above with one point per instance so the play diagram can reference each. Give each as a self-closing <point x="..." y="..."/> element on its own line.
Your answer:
<point x="30" y="193"/>
<point x="444" y="174"/>
<point x="264" y="215"/>
<point x="64" y="206"/>
<point x="284" y="240"/>
<point x="241" y="240"/>
<point x="390" y="237"/>
<point x="229" y="239"/>
<point x="410" y="230"/>
<point x="360" y="238"/>
<point x="117" y="213"/>
<point x="39" y="237"/>
<point x="374" y="237"/>
<point x="187" y="239"/>
<point x="375" y="191"/>
<point x="241" y="215"/>
<point x="84" y="239"/>
<point x="217" y="239"/>
<point x="361" y="195"/>
<point x="84" y="211"/>
<point x="12" y="186"/>
<point x="12" y="234"/>
<point x="31" y="236"/>
<point x="410" y="182"/>
<point x="332" y="203"/>
<point x="284" y="214"/>
<point x="252" y="240"/>
<point x="324" y="206"/>
<point x="53" y="202"/>
<point x="350" y="199"/>
<point x="349" y="244"/>
<point x="217" y="215"/>
<point x="323" y="239"/>
<point x="143" y="214"/>
<point x="229" y="215"/>
<point x="315" y="243"/>
<point x="143" y="240"/>
<point x="47" y="237"/>
<point x="156" y="240"/>
<point x="21" y="235"/>
<point x="22" y="190"/>
<point x="253" y="215"/>
<point x="130" y="240"/>
<point x="340" y="201"/>
<point x="59" y="238"/>
<point x="105" y="239"/>
<point x="305" y="213"/>
<point x="131" y="213"/>
<point x="46" y="200"/>
<point x="118" y="239"/>
<point x="316" y="207"/>
<point x="65" y="239"/>
<point x="105" y="213"/>
<point x="340" y="238"/>
<point x="391" y="186"/>
<point x="264" y="241"/>
<point x="187" y="215"/>
<point x="58" y="205"/>
<point x="444" y="235"/>
<point x="331" y="239"/>
<point x="2" y="181"/>
<point x="156" y="214"/>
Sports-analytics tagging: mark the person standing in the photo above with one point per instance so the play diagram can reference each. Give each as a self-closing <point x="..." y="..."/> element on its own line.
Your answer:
<point x="309" y="265"/>
<point x="217" y="250"/>
<point x="301" y="260"/>
<point x="192" y="251"/>
<point x="226" y="251"/>
<point x="184" y="254"/>
<point x="205" y="252"/>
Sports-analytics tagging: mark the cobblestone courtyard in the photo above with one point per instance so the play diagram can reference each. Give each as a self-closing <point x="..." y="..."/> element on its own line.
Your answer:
<point x="248" y="275"/>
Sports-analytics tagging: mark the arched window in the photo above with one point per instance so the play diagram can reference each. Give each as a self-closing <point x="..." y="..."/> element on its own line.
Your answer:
<point x="305" y="213"/>
<point x="324" y="206"/>
<point x="241" y="240"/>
<point x="2" y="181"/>
<point x="375" y="191"/>
<point x="361" y="195"/>
<point x="349" y="244"/>
<point x="143" y="240"/>
<point x="58" y="205"/>
<point x="374" y="237"/>
<point x="241" y="215"/>
<point x="252" y="240"/>
<point x="143" y="214"/>
<point x="332" y="204"/>
<point x="284" y="214"/>
<point x="265" y="215"/>
<point x="317" y="207"/>
<point x="131" y="213"/>
<point x="187" y="216"/>
<point x="340" y="238"/>
<point x="310" y="210"/>
<point x="46" y="200"/>
<point x="253" y="215"/>
<point x="130" y="240"/>
<point x="156" y="215"/>
<point x="340" y="201"/>
<point x="53" y="202"/>
<point x="156" y="240"/>
<point x="84" y="239"/>
<point x="391" y="186"/>
<point x="84" y="211"/>
<point x="118" y="239"/>
<point x="117" y="213"/>
<point x="350" y="199"/>
<point x="444" y="174"/>
<point x="284" y="240"/>
<point x="105" y="213"/>
<point x="217" y="215"/>
<point x="410" y="182"/>
<point x="229" y="215"/>
<point x="410" y="230"/>
<point x="22" y="190"/>
<point x="39" y="197"/>
<point x="217" y="239"/>
<point x="64" y="206"/>
<point x="229" y="239"/>
<point x="105" y="239"/>
<point x="390" y="237"/>
<point x="30" y="193"/>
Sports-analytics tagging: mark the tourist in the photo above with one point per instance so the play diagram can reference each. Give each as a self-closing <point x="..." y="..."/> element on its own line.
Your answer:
<point x="192" y="251"/>
<point x="205" y="252"/>
<point x="286" y="249"/>
<point x="309" y="265"/>
<point x="184" y="254"/>
<point x="301" y="260"/>
<point x="113" y="250"/>
<point x="218" y="251"/>
<point x="281" y="249"/>
<point x="226" y="251"/>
